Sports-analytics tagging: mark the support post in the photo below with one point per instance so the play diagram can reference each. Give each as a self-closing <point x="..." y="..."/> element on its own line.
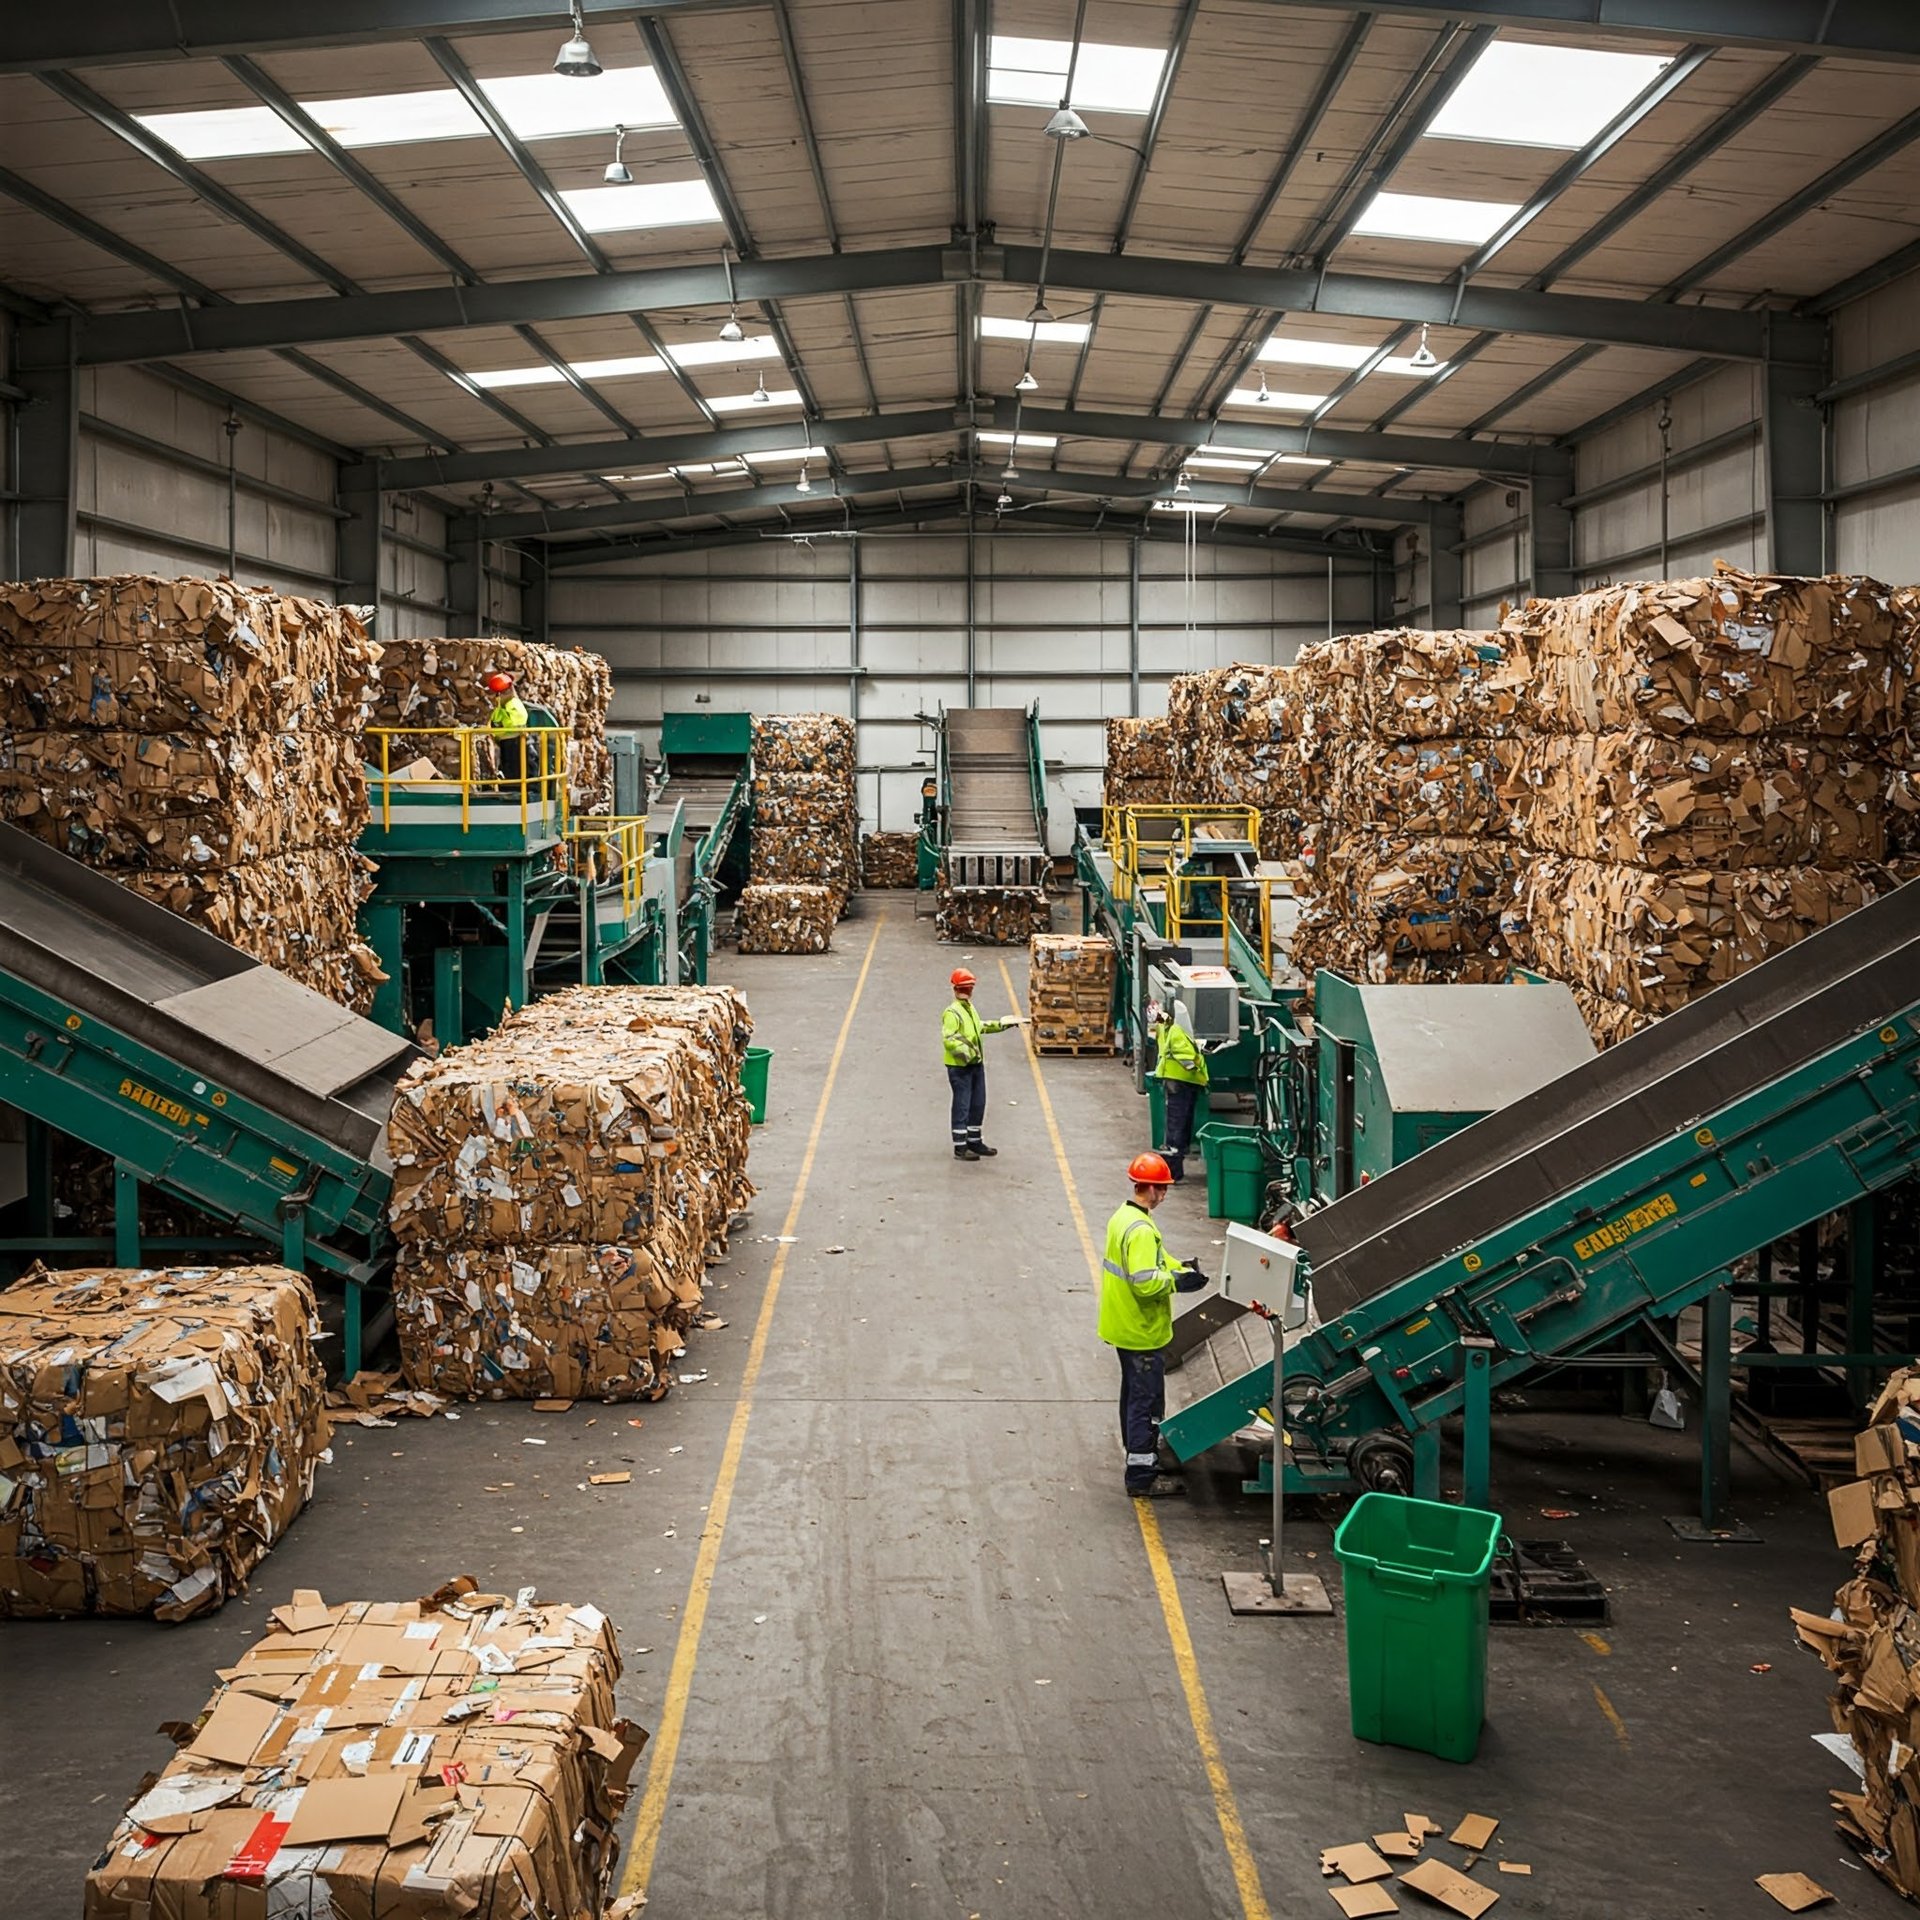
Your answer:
<point x="1133" y="626"/>
<point x="1793" y="427"/>
<point x="383" y="926"/>
<point x="449" y="1018"/>
<point x="1476" y="1446"/>
<point x="972" y="642"/>
<point x="126" y="1215"/>
<point x="39" y="1178"/>
<point x="1446" y="564"/>
<point x="1552" y="572"/>
<point x="536" y="600"/>
<point x="1274" y="1589"/>
<point x="466" y="578"/>
<point x="1716" y="1409"/>
<point x="47" y="436"/>
<point x="1863" y="1262"/>
<point x="353" y="1330"/>
<point x="360" y="542"/>
<point x="293" y="1237"/>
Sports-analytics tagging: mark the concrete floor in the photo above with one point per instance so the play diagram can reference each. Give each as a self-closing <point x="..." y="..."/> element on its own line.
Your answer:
<point x="935" y="1679"/>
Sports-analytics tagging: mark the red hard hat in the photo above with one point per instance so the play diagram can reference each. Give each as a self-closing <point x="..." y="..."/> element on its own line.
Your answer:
<point x="499" y="683"/>
<point x="960" y="977"/>
<point x="1149" y="1170"/>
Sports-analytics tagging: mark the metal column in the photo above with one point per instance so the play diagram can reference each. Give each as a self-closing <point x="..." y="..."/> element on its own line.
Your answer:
<point x="536" y="600"/>
<point x="971" y="590"/>
<point x="1446" y="564"/>
<point x="47" y="435"/>
<point x="1793" y="426"/>
<point x="1552" y="572"/>
<point x="853" y="642"/>
<point x="1133" y="626"/>
<point x="466" y="574"/>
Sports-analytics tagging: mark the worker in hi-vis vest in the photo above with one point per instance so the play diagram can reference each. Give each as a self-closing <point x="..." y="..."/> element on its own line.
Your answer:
<point x="1138" y="1280"/>
<point x="1182" y="1071"/>
<point x="508" y="725"/>
<point x="961" y="1031"/>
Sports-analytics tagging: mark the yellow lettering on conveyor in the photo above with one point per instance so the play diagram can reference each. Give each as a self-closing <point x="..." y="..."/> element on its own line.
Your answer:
<point x="1617" y="1232"/>
<point x="159" y="1103"/>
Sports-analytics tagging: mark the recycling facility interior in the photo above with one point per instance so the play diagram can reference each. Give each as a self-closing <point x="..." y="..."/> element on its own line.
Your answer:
<point x="1439" y="476"/>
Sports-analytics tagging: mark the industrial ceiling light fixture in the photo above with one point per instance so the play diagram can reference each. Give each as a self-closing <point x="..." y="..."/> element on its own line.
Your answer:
<point x="1003" y="503"/>
<point x="1040" y="314"/>
<point x="1009" y="471"/>
<point x="803" y="484"/>
<point x="1424" y="356"/>
<point x="618" y="174"/>
<point x="575" y="58"/>
<point x="1263" y="397"/>
<point x="761" y="397"/>
<point x="1067" y="125"/>
<point x="1026" y="383"/>
<point x="1181" y="484"/>
<point x="731" y="333"/>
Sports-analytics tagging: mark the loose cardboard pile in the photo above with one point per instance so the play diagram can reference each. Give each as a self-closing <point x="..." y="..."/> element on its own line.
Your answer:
<point x="889" y="859"/>
<point x="442" y="683"/>
<point x="458" y="1754"/>
<point x="778" y="918"/>
<point x="159" y="1430"/>
<point x="559" y="1187"/>
<point x="1873" y="1647"/>
<point x="199" y="741"/>
<point x="1140" y="763"/>
<point x="1366" y="1877"/>
<point x="989" y="916"/>
<point x="1070" y="991"/>
<point x="806" y="807"/>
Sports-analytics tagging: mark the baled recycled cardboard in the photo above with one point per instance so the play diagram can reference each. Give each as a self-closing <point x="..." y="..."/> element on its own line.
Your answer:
<point x="786" y="917"/>
<point x="989" y="916"/>
<point x="1446" y="1888"/>
<point x="806" y="810"/>
<point x="889" y="859"/>
<point x="1141" y="762"/>
<point x="168" y="1424"/>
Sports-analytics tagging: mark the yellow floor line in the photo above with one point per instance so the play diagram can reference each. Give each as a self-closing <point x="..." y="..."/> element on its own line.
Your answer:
<point x="1612" y="1715"/>
<point x="665" y="1745"/>
<point x="1233" y="1832"/>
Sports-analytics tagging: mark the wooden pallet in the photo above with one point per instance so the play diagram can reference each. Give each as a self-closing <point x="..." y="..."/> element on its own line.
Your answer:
<point x="1070" y="1046"/>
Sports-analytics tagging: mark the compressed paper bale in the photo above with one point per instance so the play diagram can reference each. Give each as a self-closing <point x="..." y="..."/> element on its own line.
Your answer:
<point x="820" y="743"/>
<point x="805" y="831"/>
<point x="160" y="1429"/>
<point x="990" y="916"/>
<point x="134" y="651"/>
<point x="1656" y="940"/>
<point x="1140" y="762"/>
<point x="1406" y="683"/>
<point x="182" y="799"/>
<point x="1237" y="741"/>
<point x="1740" y="653"/>
<point x="773" y="917"/>
<point x="1607" y="1020"/>
<point x="1427" y="786"/>
<point x="889" y="859"/>
<point x="458" y="1754"/>
<point x="1700" y="800"/>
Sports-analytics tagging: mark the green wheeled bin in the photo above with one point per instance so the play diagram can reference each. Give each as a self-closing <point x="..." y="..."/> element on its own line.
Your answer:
<point x="753" y="1081"/>
<point x="1416" y="1574"/>
<point x="1236" y="1170"/>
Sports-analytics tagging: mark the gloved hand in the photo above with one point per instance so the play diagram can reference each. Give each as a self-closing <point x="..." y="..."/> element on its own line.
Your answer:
<point x="1189" y="1279"/>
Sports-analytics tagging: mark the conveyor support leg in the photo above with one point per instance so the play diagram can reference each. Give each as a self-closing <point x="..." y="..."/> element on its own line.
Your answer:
<point x="1476" y="1441"/>
<point x="1716" y="1408"/>
<point x="126" y="1215"/>
<point x="1863" y="1258"/>
<point x="39" y="1178"/>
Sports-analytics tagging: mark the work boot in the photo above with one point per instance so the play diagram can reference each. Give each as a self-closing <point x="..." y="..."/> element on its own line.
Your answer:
<point x="966" y="1153"/>
<point x="1163" y="1487"/>
<point x="985" y="1152"/>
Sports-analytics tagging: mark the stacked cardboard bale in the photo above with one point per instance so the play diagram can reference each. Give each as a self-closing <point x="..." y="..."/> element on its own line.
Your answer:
<point x="1236" y="742"/>
<point x="1703" y="778"/>
<point x="989" y="916"/>
<point x="200" y="741"/>
<point x="773" y="917"/>
<point x="1412" y="747"/>
<point x="1070" y="992"/>
<point x="1871" y="1640"/>
<point x="159" y="1431"/>
<point x="1140" y="763"/>
<point x="1903" y="771"/>
<point x="806" y="808"/>
<point x="559" y="1187"/>
<point x="889" y="859"/>
<point x="462" y="1753"/>
<point x="442" y="684"/>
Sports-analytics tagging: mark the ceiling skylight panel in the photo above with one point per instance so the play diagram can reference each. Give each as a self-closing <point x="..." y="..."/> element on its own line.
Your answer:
<point x="518" y="377"/>
<point x="651" y="203"/>
<point x="223" y="133"/>
<point x="1428" y="216"/>
<point x="1066" y="333"/>
<point x="618" y="369"/>
<point x="1520" y="94"/>
<point x="1106" y="79"/>
<point x="549" y="106"/>
<point x="724" y="353"/>
<point x="1186" y="506"/>
<point x="1284" y="351"/>
<point x="1024" y="442"/>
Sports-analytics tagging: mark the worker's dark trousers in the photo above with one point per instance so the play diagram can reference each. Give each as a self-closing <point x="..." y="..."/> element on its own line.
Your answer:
<point x="1181" y="1096"/>
<point x="512" y="750"/>
<point x="969" y="1086"/>
<point x="1143" y="1400"/>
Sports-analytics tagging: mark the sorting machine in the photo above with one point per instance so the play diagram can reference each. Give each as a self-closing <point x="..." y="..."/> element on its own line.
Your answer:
<point x="985" y="822"/>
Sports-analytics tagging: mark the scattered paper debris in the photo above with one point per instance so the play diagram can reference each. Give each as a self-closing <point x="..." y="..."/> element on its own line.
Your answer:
<point x="609" y="1479"/>
<point x="551" y="1406"/>
<point x="1474" y="1831"/>
<point x="1794" y="1891"/>
<point x="527" y="1440"/>
<point x="1514" y="1866"/>
<point x="1359" y="1903"/>
<point x="1454" y="1891"/>
<point x="1419" y="1826"/>
<point x="693" y="1379"/>
<point x="1396" y="1845"/>
<point x="1761" y="1666"/>
<point x="1357" y="1863"/>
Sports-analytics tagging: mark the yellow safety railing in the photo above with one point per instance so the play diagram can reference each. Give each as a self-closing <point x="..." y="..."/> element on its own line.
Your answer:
<point x="539" y="784"/>
<point x="1200" y="906"/>
<point x="613" y="848"/>
<point x="1151" y="840"/>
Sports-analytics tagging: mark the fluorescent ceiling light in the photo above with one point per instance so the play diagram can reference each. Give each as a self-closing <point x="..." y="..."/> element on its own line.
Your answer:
<point x="654" y="203"/>
<point x="1405" y="366"/>
<point x="1185" y="506"/>
<point x="1275" y="402"/>
<point x="1230" y="462"/>
<point x="1315" y="353"/>
<point x="736" y="402"/>
<point x="724" y="353"/>
<point x="1299" y="460"/>
<point x="1025" y="442"/>
<point x="784" y="453"/>
<point x="518" y="377"/>
<point x="1518" y="94"/>
<point x="1070" y="333"/>
<point x="1428" y="216"/>
<point x="535" y="106"/>
<point x="697" y="353"/>
<point x="1106" y="79"/>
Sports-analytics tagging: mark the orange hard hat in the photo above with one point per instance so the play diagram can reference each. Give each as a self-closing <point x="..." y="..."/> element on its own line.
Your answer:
<point x="1149" y="1170"/>
<point x="960" y="977"/>
<point x="499" y="683"/>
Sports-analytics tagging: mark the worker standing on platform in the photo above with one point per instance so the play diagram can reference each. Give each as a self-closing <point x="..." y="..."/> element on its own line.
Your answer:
<point x="507" y="723"/>
<point x="1182" y="1071"/>
<point x="1137" y="1284"/>
<point x="961" y="1030"/>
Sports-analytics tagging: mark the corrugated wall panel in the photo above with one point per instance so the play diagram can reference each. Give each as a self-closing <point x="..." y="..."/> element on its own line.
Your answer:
<point x="1876" y="433"/>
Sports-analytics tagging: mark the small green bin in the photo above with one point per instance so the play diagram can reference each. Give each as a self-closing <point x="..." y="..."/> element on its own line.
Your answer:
<point x="1236" y="1170"/>
<point x="1416" y="1585"/>
<point x="753" y="1081"/>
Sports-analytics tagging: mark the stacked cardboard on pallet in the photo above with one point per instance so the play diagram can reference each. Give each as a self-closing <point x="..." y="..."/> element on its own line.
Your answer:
<point x="559" y="1187"/>
<point x="989" y="916"/>
<point x="1868" y="1641"/>
<point x="159" y="1431"/>
<point x="1140" y="763"/>
<point x="458" y="1754"/>
<point x="889" y="859"/>
<point x="806" y="807"/>
<point x="773" y="917"/>
<point x="441" y="684"/>
<point x="1703" y="780"/>
<point x="199" y="741"/>
<point x="1070" y="992"/>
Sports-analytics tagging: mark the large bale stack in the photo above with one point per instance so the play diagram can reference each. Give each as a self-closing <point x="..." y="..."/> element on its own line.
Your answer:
<point x="441" y="683"/>
<point x="1233" y="743"/>
<point x="200" y="742"/>
<point x="889" y="859"/>
<point x="806" y="804"/>
<point x="1704" y="779"/>
<point x="776" y="918"/>
<point x="1407" y="752"/>
<point x="1903" y="773"/>
<point x="559" y="1187"/>
<point x="159" y="1431"/>
<point x="1140" y="763"/>
<point x="459" y="1754"/>
<point x="1070" y="992"/>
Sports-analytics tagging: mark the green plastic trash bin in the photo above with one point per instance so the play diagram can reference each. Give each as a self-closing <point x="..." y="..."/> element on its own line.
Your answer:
<point x="1236" y="1170"/>
<point x="1416" y="1585"/>
<point x="753" y="1081"/>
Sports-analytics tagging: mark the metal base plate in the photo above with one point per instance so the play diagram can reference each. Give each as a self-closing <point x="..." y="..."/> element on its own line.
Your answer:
<point x="1695" y="1531"/>
<point x="1306" y="1593"/>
